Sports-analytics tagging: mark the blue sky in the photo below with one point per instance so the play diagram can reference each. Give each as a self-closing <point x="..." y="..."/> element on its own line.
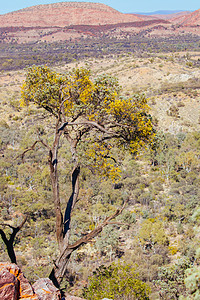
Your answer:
<point x="121" y="5"/>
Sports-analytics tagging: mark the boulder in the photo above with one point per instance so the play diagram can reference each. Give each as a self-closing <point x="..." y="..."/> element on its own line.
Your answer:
<point x="26" y="290"/>
<point x="45" y="290"/>
<point x="15" y="286"/>
<point x="69" y="297"/>
<point x="9" y="284"/>
<point x="13" y="283"/>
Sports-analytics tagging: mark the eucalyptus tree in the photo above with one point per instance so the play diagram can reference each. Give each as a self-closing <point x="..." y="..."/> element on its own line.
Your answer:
<point x="93" y="117"/>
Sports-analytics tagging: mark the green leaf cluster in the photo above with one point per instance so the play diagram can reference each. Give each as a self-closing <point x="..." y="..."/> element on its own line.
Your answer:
<point x="117" y="281"/>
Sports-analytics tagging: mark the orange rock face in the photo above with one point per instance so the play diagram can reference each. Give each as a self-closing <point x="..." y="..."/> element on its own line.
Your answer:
<point x="15" y="286"/>
<point x="9" y="284"/>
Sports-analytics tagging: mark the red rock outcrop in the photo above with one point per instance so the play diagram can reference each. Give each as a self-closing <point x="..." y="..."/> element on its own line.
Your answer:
<point x="75" y="20"/>
<point x="9" y="284"/>
<point x="13" y="283"/>
<point x="15" y="286"/>
<point x="65" y="14"/>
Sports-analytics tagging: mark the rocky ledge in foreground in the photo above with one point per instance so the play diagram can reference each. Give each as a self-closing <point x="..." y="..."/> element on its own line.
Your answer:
<point x="15" y="286"/>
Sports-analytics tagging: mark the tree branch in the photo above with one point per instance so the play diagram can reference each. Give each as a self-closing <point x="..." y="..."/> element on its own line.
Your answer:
<point x="60" y="266"/>
<point x="8" y="225"/>
<point x="33" y="148"/>
<point x="27" y="150"/>
<point x="91" y="123"/>
<point x="4" y="238"/>
<point x="18" y="227"/>
<point x="97" y="230"/>
<point x="9" y="242"/>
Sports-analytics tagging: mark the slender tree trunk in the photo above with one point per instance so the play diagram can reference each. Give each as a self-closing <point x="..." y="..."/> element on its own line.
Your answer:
<point x="72" y="199"/>
<point x="75" y="191"/>
<point x="53" y="162"/>
<point x="62" y="230"/>
<point x="11" y="252"/>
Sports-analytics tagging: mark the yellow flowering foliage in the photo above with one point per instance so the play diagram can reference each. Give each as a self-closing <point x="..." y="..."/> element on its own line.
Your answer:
<point x="42" y="87"/>
<point x="75" y="91"/>
<point x="96" y="107"/>
<point x="136" y="127"/>
<point x="99" y="158"/>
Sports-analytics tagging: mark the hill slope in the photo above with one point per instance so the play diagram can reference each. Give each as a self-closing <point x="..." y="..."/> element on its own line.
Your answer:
<point x="65" y="14"/>
<point x="81" y="20"/>
<point x="191" y="19"/>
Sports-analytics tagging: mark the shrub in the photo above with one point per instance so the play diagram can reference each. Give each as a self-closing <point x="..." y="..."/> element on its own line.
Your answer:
<point x="170" y="281"/>
<point x="118" y="281"/>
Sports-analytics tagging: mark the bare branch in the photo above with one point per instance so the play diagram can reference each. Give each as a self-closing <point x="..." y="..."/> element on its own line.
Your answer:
<point x="62" y="127"/>
<point x="20" y="226"/>
<point x="97" y="230"/>
<point x="33" y="148"/>
<point x="107" y="156"/>
<point x="91" y="123"/>
<point x="9" y="242"/>
<point x="29" y="149"/>
<point x="8" y="225"/>
<point x="42" y="142"/>
<point x="22" y="223"/>
<point x="17" y="229"/>
<point x="4" y="238"/>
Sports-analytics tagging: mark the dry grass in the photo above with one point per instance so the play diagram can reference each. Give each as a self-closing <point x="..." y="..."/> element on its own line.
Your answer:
<point x="165" y="81"/>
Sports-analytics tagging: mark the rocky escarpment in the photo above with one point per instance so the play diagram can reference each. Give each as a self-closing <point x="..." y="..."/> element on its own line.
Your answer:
<point x="70" y="21"/>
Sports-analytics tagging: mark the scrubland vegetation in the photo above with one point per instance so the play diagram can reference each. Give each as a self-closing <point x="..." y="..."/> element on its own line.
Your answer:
<point x="15" y="56"/>
<point x="151" y="250"/>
